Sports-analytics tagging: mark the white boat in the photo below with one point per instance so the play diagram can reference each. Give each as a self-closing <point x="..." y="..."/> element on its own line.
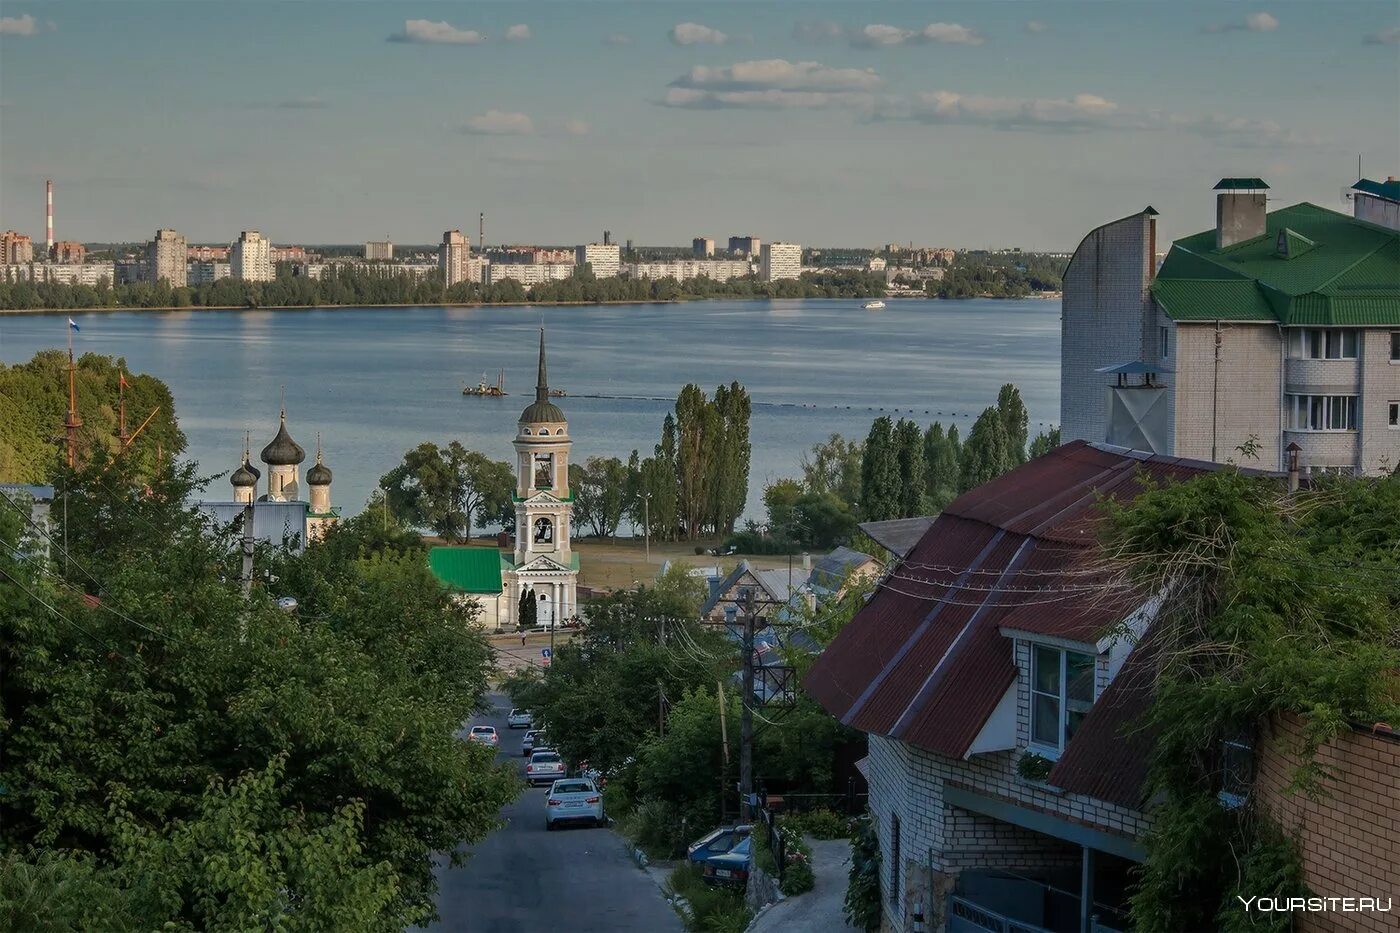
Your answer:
<point x="876" y="305"/>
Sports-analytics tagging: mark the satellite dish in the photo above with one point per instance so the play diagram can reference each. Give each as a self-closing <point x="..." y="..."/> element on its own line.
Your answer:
<point x="287" y="604"/>
<point x="1348" y="195"/>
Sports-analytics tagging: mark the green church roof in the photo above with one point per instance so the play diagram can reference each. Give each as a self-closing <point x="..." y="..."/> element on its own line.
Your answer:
<point x="1332" y="270"/>
<point x="467" y="569"/>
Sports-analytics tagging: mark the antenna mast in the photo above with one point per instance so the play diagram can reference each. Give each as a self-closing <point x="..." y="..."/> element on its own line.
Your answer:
<point x="72" y="422"/>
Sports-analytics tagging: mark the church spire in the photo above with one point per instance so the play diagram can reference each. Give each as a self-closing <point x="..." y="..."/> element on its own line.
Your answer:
<point x="542" y="383"/>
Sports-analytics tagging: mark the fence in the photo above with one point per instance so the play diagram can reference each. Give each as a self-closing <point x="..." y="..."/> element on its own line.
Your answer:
<point x="851" y="803"/>
<point x="776" y="845"/>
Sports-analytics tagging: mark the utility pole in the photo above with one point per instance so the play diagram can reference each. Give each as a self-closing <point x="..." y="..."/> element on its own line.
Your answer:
<point x="724" y="768"/>
<point x="646" y="522"/>
<point x="248" y="528"/>
<point x="746" y="715"/>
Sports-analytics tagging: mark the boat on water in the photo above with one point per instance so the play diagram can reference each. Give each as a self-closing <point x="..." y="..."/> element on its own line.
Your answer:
<point x="876" y="305"/>
<point x="486" y="390"/>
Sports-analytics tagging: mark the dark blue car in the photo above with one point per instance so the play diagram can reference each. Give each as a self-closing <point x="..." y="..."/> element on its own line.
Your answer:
<point x="720" y="842"/>
<point x="731" y="868"/>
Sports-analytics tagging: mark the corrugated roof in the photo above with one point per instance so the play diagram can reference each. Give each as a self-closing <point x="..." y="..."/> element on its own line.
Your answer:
<point x="1388" y="189"/>
<point x="1335" y="269"/>
<point x="924" y="661"/>
<point x="467" y="569"/>
<point x="897" y="535"/>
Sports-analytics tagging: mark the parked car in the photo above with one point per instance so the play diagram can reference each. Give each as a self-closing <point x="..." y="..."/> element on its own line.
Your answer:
<point x="574" y="800"/>
<point x="519" y="719"/>
<point x="545" y="767"/>
<point x="485" y="735"/>
<point x="719" y="842"/>
<point x="527" y="744"/>
<point x="730" y="868"/>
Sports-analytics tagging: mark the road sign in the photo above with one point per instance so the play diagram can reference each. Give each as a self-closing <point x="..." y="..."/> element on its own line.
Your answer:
<point x="546" y="653"/>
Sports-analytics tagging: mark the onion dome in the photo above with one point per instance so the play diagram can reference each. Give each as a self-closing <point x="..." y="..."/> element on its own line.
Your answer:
<point x="542" y="410"/>
<point x="246" y="474"/>
<point x="320" y="474"/>
<point x="283" y="451"/>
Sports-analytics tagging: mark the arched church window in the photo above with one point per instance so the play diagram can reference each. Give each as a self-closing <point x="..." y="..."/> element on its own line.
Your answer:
<point x="544" y="431"/>
<point x="524" y="430"/>
<point x="544" y="471"/>
<point x="544" y="531"/>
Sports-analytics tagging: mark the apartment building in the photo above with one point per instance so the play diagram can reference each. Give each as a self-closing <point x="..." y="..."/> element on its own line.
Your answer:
<point x="60" y="273"/>
<point x="528" y="274"/>
<point x="604" y="258"/>
<point x="749" y="246"/>
<point x="207" y="272"/>
<point x="250" y="259"/>
<point x="165" y="258"/>
<point x="69" y="253"/>
<point x="703" y="247"/>
<point x="15" y="248"/>
<point x="720" y="270"/>
<point x="780" y="261"/>
<point x="453" y="255"/>
<point x="1275" y="333"/>
<point x="379" y="251"/>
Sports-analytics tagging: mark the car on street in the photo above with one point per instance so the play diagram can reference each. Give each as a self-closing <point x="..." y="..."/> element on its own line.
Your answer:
<point x="485" y="735"/>
<point x="730" y="868"/>
<point x="720" y="842"/>
<point x="519" y="719"/>
<point x="545" y="767"/>
<point x="527" y="744"/>
<point x="574" y="800"/>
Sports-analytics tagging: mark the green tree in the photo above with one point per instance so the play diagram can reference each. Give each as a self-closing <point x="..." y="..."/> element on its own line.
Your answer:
<point x="779" y="498"/>
<point x="697" y="427"/>
<point x="733" y="453"/>
<point x="909" y="453"/>
<point x="834" y="465"/>
<point x="528" y="614"/>
<point x="600" y="487"/>
<point x="442" y="488"/>
<point x="1045" y="442"/>
<point x="823" y="520"/>
<point x="987" y="454"/>
<point x="942" y="472"/>
<point x="1015" y="420"/>
<point x="879" y="479"/>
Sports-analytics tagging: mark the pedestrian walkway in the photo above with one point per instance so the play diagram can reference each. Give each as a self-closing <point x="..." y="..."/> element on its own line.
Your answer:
<point x="820" y="909"/>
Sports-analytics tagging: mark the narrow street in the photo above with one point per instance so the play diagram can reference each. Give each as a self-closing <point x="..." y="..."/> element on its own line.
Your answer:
<point x="523" y="878"/>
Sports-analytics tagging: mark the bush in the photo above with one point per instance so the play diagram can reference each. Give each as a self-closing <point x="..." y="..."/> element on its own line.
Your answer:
<point x="712" y="909"/>
<point x="1034" y="767"/>
<point x="863" y="885"/>
<point x="820" y="824"/>
<point x="656" y="827"/>
<point x="797" y="876"/>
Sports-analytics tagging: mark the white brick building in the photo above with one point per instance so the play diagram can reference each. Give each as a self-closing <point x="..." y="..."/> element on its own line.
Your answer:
<point x="528" y="274"/>
<point x="780" y="261"/>
<point x="604" y="258"/>
<point x="720" y="270"/>
<point x="251" y="258"/>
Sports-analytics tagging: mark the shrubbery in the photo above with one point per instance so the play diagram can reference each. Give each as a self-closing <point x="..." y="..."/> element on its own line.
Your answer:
<point x="863" y="885"/>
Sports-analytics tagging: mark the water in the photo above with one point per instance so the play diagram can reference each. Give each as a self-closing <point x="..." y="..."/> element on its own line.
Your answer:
<point x="376" y="382"/>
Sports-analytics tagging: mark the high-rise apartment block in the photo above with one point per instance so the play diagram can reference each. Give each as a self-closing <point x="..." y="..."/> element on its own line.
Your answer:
<point x="749" y="246"/>
<point x="529" y="273"/>
<point x="68" y="253"/>
<point x="703" y="247"/>
<point x="718" y="270"/>
<point x="251" y="258"/>
<point x="604" y="258"/>
<point x="15" y="248"/>
<point x="1277" y="333"/>
<point x="379" y="251"/>
<point x="454" y="254"/>
<point x="780" y="261"/>
<point x="165" y="258"/>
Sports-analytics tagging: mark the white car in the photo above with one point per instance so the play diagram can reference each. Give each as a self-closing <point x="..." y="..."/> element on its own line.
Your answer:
<point x="574" y="800"/>
<point x="484" y="735"/>
<point x="545" y="767"/>
<point x="520" y="719"/>
<point x="527" y="744"/>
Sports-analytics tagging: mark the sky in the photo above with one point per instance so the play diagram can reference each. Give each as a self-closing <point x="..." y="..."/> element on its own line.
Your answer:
<point x="986" y="124"/>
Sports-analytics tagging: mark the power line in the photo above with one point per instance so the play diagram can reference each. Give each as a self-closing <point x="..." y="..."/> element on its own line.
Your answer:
<point x="43" y="602"/>
<point x="101" y="603"/>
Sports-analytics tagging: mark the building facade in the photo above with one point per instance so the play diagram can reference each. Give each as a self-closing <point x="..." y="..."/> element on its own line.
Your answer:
<point x="544" y="567"/>
<point x="1273" y="329"/>
<point x="250" y="258"/>
<point x="721" y="270"/>
<point x="90" y="273"/>
<point x="166" y="258"/>
<point x="780" y="261"/>
<point x="379" y="251"/>
<point x="748" y="246"/>
<point x="454" y="253"/>
<point x="703" y="247"/>
<point x="605" y="259"/>
<point x="207" y="272"/>
<point x="528" y="274"/>
<point x="15" y="248"/>
<point x="68" y="253"/>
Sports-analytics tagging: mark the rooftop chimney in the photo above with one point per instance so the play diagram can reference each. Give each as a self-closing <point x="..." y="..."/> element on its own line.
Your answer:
<point x="1240" y="210"/>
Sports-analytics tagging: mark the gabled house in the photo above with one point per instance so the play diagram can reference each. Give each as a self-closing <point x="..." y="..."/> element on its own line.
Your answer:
<point x="1005" y="787"/>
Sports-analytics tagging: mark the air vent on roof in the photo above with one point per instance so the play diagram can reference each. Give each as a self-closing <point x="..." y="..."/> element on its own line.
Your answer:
<point x="1291" y="244"/>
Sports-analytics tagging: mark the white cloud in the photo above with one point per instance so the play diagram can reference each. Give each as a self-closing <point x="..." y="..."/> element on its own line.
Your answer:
<point x="1254" y="22"/>
<point x="442" y="33"/>
<point x="880" y="35"/>
<point x="577" y="128"/>
<point x="1389" y="36"/>
<point x="25" y="25"/>
<point x="686" y="98"/>
<point x="696" y="34"/>
<point x="618" y="38"/>
<point x="518" y="33"/>
<point x="500" y="123"/>
<point x="779" y="74"/>
<point x="1036" y="27"/>
<point x="822" y="30"/>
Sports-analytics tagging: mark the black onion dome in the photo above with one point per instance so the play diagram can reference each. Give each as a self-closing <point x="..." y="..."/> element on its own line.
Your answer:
<point x="542" y="410"/>
<point x="318" y="475"/>
<point x="283" y="451"/>
<point x="245" y="475"/>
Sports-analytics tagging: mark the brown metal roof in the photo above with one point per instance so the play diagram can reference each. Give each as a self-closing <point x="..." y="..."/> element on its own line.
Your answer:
<point x="924" y="661"/>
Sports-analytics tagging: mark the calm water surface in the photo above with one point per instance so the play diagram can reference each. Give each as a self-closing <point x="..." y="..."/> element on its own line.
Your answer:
<point x="376" y="381"/>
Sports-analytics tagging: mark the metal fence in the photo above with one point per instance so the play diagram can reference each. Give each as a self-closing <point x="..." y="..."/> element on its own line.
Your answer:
<point x="776" y="845"/>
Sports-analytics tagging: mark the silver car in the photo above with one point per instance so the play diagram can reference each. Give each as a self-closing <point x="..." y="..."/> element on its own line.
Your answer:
<point x="574" y="800"/>
<point x="527" y="744"/>
<point x="545" y="767"/>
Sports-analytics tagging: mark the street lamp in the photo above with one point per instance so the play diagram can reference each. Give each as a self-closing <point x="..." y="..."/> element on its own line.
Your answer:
<point x="543" y="599"/>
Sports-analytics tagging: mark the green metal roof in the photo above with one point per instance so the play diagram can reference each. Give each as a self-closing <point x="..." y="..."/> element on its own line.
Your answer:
<point x="1334" y="270"/>
<point x="467" y="569"/>
<point x="1389" y="189"/>
<point x="1226" y="184"/>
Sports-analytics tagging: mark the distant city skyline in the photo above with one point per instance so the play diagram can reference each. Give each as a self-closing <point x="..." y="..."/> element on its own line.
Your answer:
<point x="948" y="124"/>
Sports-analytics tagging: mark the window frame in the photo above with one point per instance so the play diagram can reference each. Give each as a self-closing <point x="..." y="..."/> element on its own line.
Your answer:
<point x="1324" y="343"/>
<point x="1164" y="339"/>
<point x="1321" y="412"/>
<point x="1392" y="414"/>
<point x="1236" y="784"/>
<point x="1395" y="347"/>
<point x="895" y="867"/>
<point x="1065" y="705"/>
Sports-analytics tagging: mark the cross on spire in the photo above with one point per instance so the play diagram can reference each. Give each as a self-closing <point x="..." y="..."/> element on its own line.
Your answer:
<point x="542" y="382"/>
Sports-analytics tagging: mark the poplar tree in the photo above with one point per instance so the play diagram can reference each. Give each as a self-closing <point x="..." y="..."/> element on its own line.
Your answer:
<point x="941" y="470"/>
<point x="1015" y="420"/>
<point x="987" y="453"/>
<point x="879" y="477"/>
<point x="909" y="444"/>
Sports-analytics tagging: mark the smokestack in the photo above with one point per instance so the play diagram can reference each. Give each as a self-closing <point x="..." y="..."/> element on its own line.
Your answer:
<point x="1241" y="211"/>
<point x="48" y="192"/>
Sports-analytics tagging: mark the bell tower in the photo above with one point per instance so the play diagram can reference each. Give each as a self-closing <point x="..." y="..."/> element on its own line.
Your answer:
<point x="544" y="563"/>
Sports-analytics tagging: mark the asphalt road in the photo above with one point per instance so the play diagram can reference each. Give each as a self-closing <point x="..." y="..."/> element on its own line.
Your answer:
<point x="522" y="879"/>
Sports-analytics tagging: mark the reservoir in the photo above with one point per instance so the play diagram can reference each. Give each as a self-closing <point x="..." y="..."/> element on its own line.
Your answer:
<point x="375" y="382"/>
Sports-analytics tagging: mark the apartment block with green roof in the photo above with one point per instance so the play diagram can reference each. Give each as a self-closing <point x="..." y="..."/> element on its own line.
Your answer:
<point x="1276" y="330"/>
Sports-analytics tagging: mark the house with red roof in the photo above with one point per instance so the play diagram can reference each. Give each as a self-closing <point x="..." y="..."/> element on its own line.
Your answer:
<point x="998" y="671"/>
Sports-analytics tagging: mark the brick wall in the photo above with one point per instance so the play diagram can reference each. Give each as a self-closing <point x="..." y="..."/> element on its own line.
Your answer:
<point x="1350" y="838"/>
<point x="1246" y="400"/>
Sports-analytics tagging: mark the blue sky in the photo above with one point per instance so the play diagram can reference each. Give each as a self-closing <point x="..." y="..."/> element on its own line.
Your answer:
<point x="960" y="124"/>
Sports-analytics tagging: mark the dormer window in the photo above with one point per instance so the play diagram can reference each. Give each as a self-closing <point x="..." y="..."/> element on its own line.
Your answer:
<point x="1062" y="690"/>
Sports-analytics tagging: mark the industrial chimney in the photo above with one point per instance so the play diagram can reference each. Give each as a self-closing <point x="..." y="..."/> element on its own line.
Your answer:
<point x="48" y="215"/>
<point x="1240" y="210"/>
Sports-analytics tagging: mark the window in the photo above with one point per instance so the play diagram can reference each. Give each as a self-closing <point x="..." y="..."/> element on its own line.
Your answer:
<point x="544" y="531"/>
<point x="1165" y="338"/>
<point x="1321" y="412"/>
<point x="1395" y="346"/>
<point x="1062" y="690"/>
<point x="544" y="471"/>
<point x="1392" y="417"/>
<point x="895" y="867"/>
<point x="1236" y="770"/>
<point x="1324" y="343"/>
